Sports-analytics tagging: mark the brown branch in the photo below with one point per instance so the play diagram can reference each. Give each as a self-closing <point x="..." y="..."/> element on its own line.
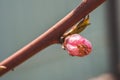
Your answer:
<point x="49" y="37"/>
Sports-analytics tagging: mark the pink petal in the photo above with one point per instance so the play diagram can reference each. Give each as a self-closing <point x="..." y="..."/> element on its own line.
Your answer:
<point x="77" y="45"/>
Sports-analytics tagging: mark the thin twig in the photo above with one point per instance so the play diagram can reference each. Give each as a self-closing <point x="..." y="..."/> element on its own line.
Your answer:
<point x="49" y="37"/>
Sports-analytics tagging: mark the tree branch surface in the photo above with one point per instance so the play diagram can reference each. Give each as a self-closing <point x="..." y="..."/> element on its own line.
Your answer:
<point x="51" y="36"/>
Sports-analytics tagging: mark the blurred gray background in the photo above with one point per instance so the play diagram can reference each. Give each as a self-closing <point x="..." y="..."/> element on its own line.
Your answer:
<point x="21" y="21"/>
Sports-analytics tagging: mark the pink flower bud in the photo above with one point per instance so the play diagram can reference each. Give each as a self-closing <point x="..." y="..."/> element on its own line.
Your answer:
<point x="77" y="45"/>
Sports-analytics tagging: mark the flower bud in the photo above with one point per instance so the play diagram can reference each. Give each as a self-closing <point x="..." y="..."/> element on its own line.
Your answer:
<point x="77" y="45"/>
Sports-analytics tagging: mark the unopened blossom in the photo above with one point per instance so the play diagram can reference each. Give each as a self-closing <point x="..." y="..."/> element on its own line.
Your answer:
<point x="77" y="45"/>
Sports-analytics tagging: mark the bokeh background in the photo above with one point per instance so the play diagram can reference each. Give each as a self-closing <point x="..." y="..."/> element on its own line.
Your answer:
<point x="21" y="21"/>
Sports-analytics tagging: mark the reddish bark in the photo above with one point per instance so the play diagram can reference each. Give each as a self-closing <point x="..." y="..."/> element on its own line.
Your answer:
<point x="49" y="37"/>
